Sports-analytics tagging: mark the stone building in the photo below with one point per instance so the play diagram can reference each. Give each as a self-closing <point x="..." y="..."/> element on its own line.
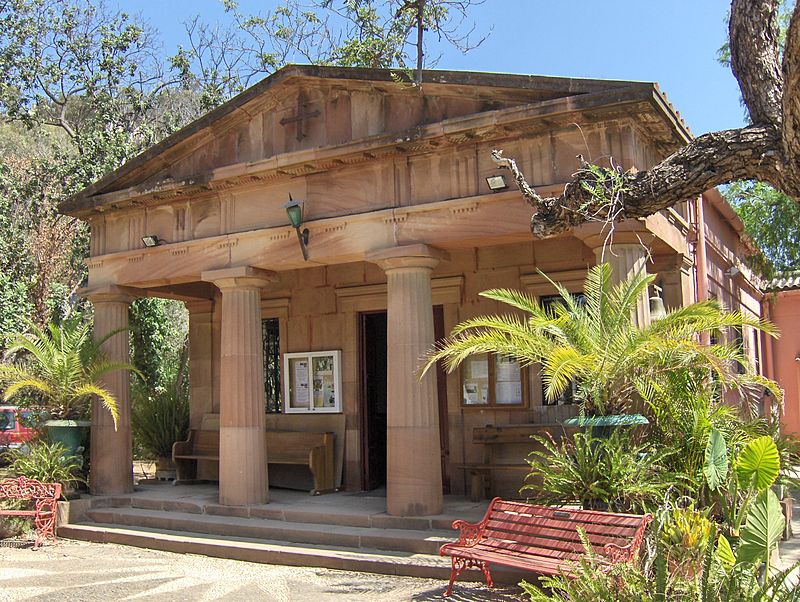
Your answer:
<point x="408" y="219"/>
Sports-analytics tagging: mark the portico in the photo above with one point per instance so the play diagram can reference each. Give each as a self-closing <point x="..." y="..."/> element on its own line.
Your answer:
<point x="400" y="221"/>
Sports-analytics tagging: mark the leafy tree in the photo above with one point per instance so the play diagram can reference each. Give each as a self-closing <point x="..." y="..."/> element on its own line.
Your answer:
<point x="83" y="89"/>
<point x="223" y="60"/>
<point x="158" y="340"/>
<point x="772" y="219"/>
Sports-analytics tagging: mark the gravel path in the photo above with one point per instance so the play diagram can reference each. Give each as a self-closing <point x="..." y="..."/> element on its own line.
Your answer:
<point x="71" y="570"/>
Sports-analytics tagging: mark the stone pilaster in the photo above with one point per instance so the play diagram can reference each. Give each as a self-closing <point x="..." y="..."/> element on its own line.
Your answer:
<point x="414" y="474"/>
<point x="201" y="369"/>
<point x="111" y="454"/>
<point x="627" y="260"/>
<point x="678" y="278"/>
<point x="242" y="444"/>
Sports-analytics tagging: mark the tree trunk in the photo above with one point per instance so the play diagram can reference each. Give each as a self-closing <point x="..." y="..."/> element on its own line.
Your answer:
<point x="768" y="150"/>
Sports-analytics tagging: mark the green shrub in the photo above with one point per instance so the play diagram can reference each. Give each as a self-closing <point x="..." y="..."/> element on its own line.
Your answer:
<point x="160" y="418"/>
<point x="684" y="537"/>
<point x="46" y="462"/>
<point x="615" y="473"/>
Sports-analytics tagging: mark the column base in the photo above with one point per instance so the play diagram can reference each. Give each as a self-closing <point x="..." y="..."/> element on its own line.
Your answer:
<point x="242" y="470"/>
<point x="111" y="461"/>
<point x="414" y="479"/>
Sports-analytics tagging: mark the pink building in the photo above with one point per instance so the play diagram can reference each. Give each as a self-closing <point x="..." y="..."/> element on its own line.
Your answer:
<point x="782" y="306"/>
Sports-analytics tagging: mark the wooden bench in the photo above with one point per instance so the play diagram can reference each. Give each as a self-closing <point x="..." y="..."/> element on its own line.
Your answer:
<point x="541" y="539"/>
<point x="314" y="450"/>
<point x="44" y="497"/>
<point x="200" y="445"/>
<point x="492" y="437"/>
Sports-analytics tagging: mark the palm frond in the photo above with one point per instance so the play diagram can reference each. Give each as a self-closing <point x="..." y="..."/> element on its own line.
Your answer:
<point x="23" y="384"/>
<point x="106" y="397"/>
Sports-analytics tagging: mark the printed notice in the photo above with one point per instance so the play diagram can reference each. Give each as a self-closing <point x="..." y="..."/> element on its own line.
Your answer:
<point x="509" y="392"/>
<point x="507" y="369"/>
<point x="301" y="383"/>
<point x="478" y="368"/>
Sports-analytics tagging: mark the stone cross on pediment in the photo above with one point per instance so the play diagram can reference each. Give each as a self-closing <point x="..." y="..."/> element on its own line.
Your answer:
<point x="300" y="116"/>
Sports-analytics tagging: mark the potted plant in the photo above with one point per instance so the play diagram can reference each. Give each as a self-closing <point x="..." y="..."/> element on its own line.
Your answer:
<point x="59" y="368"/>
<point x="160" y="418"/>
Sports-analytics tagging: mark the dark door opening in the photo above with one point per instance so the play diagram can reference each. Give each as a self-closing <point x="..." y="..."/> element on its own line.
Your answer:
<point x="373" y="398"/>
<point x="441" y="394"/>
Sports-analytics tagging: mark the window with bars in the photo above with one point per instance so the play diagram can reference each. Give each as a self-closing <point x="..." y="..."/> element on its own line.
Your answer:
<point x="270" y="335"/>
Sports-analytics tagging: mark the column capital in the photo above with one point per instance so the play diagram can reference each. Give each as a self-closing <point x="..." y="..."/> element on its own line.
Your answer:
<point x="408" y="256"/>
<point x="239" y="277"/>
<point x="110" y="293"/>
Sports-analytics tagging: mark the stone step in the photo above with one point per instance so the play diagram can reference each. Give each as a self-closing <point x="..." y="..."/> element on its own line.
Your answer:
<point x="336" y="515"/>
<point x="426" y="541"/>
<point x="270" y="552"/>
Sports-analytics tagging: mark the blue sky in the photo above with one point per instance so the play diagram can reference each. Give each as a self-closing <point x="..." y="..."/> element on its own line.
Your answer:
<point x="674" y="43"/>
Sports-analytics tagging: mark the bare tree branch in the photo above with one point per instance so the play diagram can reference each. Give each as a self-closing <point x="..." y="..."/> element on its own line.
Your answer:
<point x="767" y="151"/>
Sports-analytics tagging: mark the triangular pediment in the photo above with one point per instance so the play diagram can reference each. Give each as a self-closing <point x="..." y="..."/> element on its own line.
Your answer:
<point x="302" y="108"/>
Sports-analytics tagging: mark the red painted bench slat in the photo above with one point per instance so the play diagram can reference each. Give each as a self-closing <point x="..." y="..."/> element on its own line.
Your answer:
<point x="45" y="497"/>
<point x="542" y="539"/>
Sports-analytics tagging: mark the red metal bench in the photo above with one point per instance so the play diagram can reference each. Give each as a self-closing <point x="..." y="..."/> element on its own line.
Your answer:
<point x="542" y="539"/>
<point x="45" y="498"/>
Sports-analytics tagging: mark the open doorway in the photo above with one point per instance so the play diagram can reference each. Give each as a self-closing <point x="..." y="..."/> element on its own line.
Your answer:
<point x="373" y="358"/>
<point x="373" y="398"/>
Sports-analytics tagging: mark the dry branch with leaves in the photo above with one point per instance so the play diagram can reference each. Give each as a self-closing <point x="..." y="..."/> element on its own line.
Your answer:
<point x="767" y="150"/>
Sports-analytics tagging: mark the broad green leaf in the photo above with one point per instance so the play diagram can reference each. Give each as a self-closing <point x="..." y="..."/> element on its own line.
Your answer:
<point x="715" y="467"/>
<point x="759" y="462"/>
<point x="763" y="528"/>
<point x="725" y="554"/>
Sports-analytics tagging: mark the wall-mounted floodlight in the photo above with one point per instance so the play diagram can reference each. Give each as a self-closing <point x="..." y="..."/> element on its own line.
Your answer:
<point x="294" y="209"/>
<point x="151" y="240"/>
<point x="496" y="183"/>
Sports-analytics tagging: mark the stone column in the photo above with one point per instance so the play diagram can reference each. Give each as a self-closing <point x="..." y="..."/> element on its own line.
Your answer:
<point x="242" y="444"/>
<point x="111" y="454"/>
<point x="627" y="260"/>
<point x="414" y="472"/>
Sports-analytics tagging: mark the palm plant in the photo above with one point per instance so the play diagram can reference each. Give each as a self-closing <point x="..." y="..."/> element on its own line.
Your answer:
<point x="595" y="344"/>
<point x="62" y="367"/>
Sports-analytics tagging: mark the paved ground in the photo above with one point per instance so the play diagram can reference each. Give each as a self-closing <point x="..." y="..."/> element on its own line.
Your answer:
<point x="81" y="571"/>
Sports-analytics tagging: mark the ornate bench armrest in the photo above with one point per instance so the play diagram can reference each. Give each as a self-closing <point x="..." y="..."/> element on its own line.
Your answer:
<point x="469" y="533"/>
<point x="615" y="553"/>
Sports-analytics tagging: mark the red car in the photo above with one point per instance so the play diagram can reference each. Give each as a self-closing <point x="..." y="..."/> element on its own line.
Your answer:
<point x="16" y="426"/>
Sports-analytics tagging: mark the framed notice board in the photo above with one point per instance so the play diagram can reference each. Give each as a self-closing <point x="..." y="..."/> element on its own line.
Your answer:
<point x="313" y="381"/>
